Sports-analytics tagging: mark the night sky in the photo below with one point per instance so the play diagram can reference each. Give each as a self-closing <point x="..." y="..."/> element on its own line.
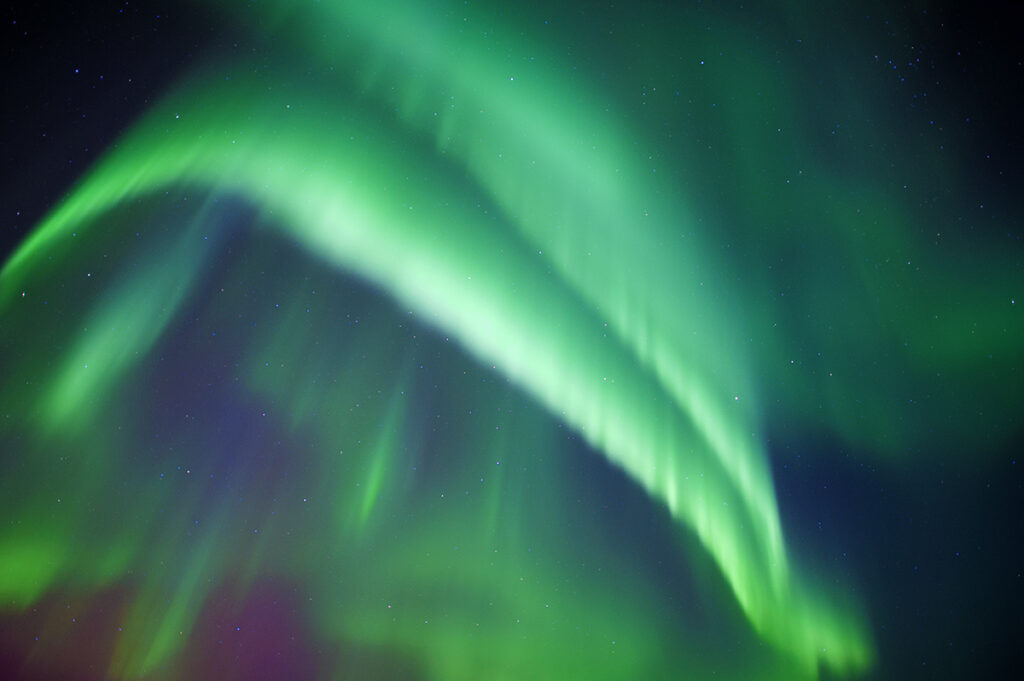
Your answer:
<point x="470" y="340"/>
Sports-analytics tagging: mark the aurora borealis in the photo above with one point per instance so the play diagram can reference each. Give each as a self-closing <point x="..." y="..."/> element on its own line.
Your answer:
<point x="452" y="341"/>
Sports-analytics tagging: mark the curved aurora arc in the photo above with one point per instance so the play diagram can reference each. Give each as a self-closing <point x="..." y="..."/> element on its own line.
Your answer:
<point x="548" y="267"/>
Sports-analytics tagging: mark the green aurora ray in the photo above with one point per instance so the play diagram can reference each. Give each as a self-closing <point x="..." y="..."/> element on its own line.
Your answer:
<point x="499" y="201"/>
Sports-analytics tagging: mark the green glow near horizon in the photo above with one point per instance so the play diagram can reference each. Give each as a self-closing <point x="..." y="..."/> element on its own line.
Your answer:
<point x="501" y="201"/>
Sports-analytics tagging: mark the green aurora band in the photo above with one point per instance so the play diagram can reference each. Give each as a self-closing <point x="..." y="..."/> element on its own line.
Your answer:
<point x="499" y="201"/>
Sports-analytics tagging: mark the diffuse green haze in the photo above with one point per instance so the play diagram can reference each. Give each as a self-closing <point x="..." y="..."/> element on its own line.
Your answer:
<point x="464" y="172"/>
